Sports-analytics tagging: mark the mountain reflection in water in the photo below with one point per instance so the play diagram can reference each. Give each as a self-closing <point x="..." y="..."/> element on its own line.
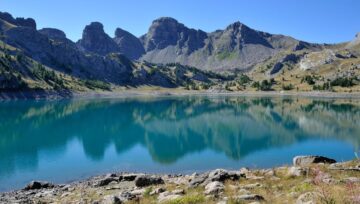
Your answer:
<point x="34" y="135"/>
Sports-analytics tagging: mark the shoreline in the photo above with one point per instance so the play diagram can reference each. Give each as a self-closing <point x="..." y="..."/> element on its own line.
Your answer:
<point x="53" y="95"/>
<point x="303" y="181"/>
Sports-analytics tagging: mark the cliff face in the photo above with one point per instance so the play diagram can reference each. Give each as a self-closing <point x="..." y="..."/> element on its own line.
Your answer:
<point x="128" y="44"/>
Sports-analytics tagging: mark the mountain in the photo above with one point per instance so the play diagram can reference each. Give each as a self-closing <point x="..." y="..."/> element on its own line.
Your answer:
<point x="236" y="47"/>
<point x="95" y="40"/>
<point x="25" y="22"/>
<point x="171" y="55"/>
<point x="128" y="44"/>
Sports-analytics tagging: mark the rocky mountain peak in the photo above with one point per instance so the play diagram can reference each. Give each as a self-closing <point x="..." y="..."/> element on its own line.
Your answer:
<point x="245" y="35"/>
<point x="53" y="33"/>
<point x="167" y="31"/>
<point x="128" y="44"/>
<point x="94" y="39"/>
<point x="25" y="22"/>
<point x="235" y="26"/>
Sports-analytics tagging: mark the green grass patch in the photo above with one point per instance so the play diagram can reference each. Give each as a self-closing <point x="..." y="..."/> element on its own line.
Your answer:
<point x="188" y="199"/>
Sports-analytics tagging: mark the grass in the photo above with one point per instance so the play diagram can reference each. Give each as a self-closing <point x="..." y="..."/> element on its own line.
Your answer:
<point x="188" y="199"/>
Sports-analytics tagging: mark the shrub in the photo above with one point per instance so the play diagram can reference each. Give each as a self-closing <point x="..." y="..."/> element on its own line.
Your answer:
<point x="265" y="85"/>
<point x="288" y="87"/>
<point x="324" y="87"/>
<point x="343" y="82"/>
<point x="96" y="84"/>
<point x="308" y="79"/>
<point x="244" y="79"/>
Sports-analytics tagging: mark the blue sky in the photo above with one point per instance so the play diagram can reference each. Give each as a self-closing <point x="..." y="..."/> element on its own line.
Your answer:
<point x="323" y="21"/>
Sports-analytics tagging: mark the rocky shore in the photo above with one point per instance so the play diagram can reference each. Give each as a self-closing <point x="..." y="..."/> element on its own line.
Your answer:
<point x="311" y="179"/>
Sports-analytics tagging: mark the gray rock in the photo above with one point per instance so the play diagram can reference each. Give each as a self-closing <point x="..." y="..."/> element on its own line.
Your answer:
<point x="308" y="160"/>
<point x="249" y="197"/>
<point x="167" y="196"/>
<point x="107" y="180"/>
<point x="157" y="191"/>
<point x="147" y="180"/>
<point x="111" y="199"/>
<point x="128" y="177"/>
<point x="197" y="180"/>
<point x="214" y="188"/>
<point x="251" y="186"/>
<point x="38" y="185"/>
<point x="138" y="192"/>
<point x="351" y="180"/>
<point x="178" y="192"/>
<point x="222" y="175"/>
<point x="307" y="198"/>
<point x="296" y="171"/>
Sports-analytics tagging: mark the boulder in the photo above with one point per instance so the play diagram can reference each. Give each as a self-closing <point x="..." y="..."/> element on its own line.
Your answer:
<point x="214" y="188"/>
<point x="249" y="197"/>
<point x="128" y="177"/>
<point x="111" y="199"/>
<point x="107" y="180"/>
<point x="157" y="191"/>
<point x="197" y="180"/>
<point x="178" y="192"/>
<point x="251" y="186"/>
<point x="308" y="160"/>
<point x="34" y="185"/>
<point x="167" y="196"/>
<point x="351" y="180"/>
<point x="296" y="171"/>
<point x="138" y="192"/>
<point x="222" y="175"/>
<point x="147" y="180"/>
<point x="307" y="198"/>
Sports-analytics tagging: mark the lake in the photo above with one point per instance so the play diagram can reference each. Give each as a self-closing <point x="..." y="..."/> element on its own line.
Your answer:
<point x="67" y="140"/>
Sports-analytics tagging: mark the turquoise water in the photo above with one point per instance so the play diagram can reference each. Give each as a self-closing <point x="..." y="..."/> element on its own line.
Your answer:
<point x="62" y="141"/>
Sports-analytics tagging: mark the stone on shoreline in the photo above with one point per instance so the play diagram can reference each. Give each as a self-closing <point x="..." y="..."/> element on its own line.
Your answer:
<point x="308" y="160"/>
<point x="214" y="187"/>
<point x="128" y="177"/>
<point x="34" y="185"/>
<point x="197" y="180"/>
<point x="147" y="180"/>
<point x="107" y="180"/>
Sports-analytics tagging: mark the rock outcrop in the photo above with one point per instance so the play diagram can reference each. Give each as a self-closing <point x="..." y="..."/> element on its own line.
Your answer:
<point x="25" y="22"/>
<point x="53" y="33"/>
<point x="95" y="40"/>
<point x="128" y="44"/>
